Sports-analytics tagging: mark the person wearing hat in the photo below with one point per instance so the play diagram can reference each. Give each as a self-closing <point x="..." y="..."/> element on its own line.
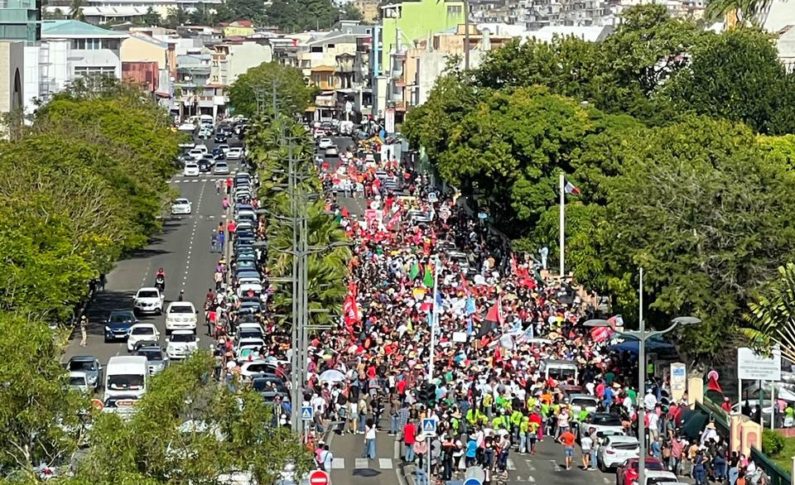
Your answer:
<point x="83" y="330"/>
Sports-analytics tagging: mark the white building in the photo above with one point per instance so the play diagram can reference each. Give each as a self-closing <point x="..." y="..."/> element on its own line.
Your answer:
<point x="69" y="49"/>
<point x="124" y="10"/>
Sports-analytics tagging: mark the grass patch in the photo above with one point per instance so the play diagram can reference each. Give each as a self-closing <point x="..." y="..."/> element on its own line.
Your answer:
<point x="784" y="457"/>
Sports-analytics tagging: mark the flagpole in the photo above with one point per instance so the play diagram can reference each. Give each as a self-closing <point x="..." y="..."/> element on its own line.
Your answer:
<point x="434" y="316"/>
<point x="562" y="244"/>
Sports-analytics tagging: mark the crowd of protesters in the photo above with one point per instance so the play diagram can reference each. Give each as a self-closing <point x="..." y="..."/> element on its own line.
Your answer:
<point x="423" y="261"/>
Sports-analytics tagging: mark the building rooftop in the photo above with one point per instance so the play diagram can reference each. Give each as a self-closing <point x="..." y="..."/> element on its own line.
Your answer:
<point x="74" y="29"/>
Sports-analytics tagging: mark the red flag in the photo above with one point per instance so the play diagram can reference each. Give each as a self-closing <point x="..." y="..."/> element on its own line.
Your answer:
<point x="495" y="312"/>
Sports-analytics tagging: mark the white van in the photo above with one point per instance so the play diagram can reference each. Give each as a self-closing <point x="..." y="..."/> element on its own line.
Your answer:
<point x="561" y="371"/>
<point x="126" y="375"/>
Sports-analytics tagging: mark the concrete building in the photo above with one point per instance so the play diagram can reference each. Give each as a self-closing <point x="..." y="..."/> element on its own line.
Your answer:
<point x="12" y="76"/>
<point x="194" y="93"/>
<point x="19" y="20"/>
<point x="126" y="10"/>
<point x="233" y="57"/>
<point x="150" y="63"/>
<point x="69" y="50"/>
<point x="404" y="23"/>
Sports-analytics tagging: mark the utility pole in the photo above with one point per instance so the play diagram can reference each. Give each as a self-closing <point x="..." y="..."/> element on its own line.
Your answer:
<point x="466" y="35"/>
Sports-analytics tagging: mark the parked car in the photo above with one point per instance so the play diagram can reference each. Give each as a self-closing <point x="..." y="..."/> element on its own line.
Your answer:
<point x="181" y="315"/>
<point x="148" y="300"/>
<point x="615" y="450"/>
<point x="324" y="143"/>
<point x="88" y="365"/>
<point x="156" y="360"/>
<point x="191" y="169"/>
<point x="221" y="168"/>
<point x="234" y="153"/>
<point x="141" y="332"/>
<point x="181" y="206"/>
<point x="79" y="382"/>
<point x="181" y="343"/>
<point x="118" y="324"/>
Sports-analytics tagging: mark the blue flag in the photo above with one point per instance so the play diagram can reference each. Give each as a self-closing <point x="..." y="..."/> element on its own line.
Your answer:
<point x="470" y="306"/>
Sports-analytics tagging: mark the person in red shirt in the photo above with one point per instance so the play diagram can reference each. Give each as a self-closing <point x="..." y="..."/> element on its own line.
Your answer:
<point x="409" y="438"/>
<point x="567" y="440"/>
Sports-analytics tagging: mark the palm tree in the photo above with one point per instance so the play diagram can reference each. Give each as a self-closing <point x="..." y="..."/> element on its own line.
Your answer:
<point x="772" y="315"/>
<point x="76" y="9"/>
<point x="326" y="270"/>
<point x="747" y="12"/>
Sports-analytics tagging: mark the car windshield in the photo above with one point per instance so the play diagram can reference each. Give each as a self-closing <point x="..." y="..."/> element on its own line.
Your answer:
<point x="81" y="365"/>
<point x="245" y="334"/>
<point x="181" y="309"/>
<point x="151" y="354"/>
<point x="77" y="381"/>
<point x="147" y="294"/>
<point x="120" y="382"/>
<point x="120" y="318"/>
<point x="656" y="480"/>
<point x="583" y="402"/>
<point x="606" y="420"/>
<point x="650" y="465"/>
<point x="183" y="337"/>
<point x="266" y="384"/>
<point x="143" y="331"/>
<point x="181" y="202"/>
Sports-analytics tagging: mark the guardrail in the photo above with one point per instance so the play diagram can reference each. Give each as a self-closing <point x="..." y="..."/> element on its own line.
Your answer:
<point x="777" y="475"/>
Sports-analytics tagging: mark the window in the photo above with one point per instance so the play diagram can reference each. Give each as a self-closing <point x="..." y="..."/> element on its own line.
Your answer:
<point x="330" y="46"/>
<point x="317" y="49"/>
<point x="94" y="44"/>
<point x="454" y="10"/>
<point x="84" y="71"/>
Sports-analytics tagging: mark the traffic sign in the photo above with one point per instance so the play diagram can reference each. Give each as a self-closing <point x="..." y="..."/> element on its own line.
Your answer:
<point x="319" y="477"/>
<point x="97" y="404"/>
<point x="429" y="426"/>
<point x="473" y="481"/>
<point x="307" y="413"/>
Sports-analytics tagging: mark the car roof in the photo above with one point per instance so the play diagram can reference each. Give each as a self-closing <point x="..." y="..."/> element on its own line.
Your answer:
<point x="82" y="358"/>
<point x="144" y="324"/>
<point x="150" y="348"/>
<point x="623" y="438"/>
<point x="180" y="303"/>
<point x="122" y="310"/>
<point x="148" y="288"/>
<point x="183" y="332"/>
<point x="660" y="473"/>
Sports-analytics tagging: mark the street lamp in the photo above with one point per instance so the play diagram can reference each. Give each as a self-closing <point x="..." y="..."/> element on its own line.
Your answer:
<point x="641" y="335"/>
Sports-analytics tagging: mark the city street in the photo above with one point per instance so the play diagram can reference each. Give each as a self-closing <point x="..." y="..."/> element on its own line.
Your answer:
<point x="182" y="250"/>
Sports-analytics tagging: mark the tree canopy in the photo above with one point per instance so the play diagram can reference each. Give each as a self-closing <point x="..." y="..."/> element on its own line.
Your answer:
<point x="298" y="16"/>
<point x="679" y="152"/>
<point x="292" y="93"/>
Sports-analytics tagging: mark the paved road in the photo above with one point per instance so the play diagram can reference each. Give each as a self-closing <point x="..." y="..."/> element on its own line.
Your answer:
<point x="182" y="250"/>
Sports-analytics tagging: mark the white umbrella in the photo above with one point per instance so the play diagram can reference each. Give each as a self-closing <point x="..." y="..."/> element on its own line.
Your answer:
<point x="332" y="375"/>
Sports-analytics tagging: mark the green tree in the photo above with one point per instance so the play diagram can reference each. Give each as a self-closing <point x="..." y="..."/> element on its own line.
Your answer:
<point x="707" y="215"/>
<point x="351" y="12"/>
<point x="771" y="317"/>
<point x="231" y="10"/>
<point x="40" y="418"/>
<point x="201" y="15"/>
<point x="189" y="429"/>
<point x="737" y="75"/>
<point x="257" y="83"/>
<point x="151" y="18"/>
<point x="747" y="11"/>
<point x="297" y="16"/>
<point x="176" y="17"/>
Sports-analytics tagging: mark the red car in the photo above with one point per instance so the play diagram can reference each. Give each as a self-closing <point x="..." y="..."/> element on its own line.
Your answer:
<point x="628" y="472"/>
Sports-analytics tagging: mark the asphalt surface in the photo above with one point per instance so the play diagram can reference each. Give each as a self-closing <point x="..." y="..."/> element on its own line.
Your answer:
<point x="182" y="250"/>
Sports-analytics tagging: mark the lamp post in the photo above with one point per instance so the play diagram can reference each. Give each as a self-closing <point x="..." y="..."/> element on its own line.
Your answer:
<point x="641" y="335"/>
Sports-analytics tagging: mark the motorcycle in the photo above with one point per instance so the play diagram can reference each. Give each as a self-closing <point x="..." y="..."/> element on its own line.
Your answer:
<point x="160" y="283"/>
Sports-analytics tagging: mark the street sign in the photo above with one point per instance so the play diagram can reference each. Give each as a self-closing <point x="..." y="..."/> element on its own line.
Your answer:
<point x="307" y="413"/>
<point x="473" y="481"/>
<point x="429" y="426"/>
<point x="319" y="477"/>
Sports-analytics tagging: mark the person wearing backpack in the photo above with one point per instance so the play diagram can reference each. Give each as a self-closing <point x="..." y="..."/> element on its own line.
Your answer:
<point x="325" y="459"/>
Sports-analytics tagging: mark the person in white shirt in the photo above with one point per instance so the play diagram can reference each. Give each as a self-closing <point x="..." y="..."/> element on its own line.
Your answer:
<point x="369" y="440"/>
<point x="650" y="401"/>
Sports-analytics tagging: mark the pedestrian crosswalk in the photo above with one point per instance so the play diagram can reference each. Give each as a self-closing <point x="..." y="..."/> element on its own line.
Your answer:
<point x="364" y="464"/>
<point x="383" y="464"/>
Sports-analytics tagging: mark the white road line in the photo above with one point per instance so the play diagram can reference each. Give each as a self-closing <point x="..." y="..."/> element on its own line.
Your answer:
<point x="385" y="463"/>
<point x="531" y="479"/>
<point x="338" y="463"/>
<point x="397" y="450"/>
<point x="361" y="463"/>
<point x="510" y="465"/>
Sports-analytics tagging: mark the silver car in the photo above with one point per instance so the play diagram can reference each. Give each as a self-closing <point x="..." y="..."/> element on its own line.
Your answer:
<point x="156" y="359"/>
<point x="90" y="366"/>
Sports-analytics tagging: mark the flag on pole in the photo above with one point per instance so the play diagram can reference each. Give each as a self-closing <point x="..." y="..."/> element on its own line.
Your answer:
<point x="427" y="280"/>
<point x="495" y="313"/>
<point x="570" y="188"/>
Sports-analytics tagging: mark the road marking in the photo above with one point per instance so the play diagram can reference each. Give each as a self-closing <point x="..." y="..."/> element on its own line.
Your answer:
<point x="607" y="480"/>
<point x="192" y="236"/>
<point x="396" y="455"/>
<point x="338" y="463"/>
<point x="555" y="465"/>
<point x="361" y="463"/>
<point x="530" y="465"/>
<point x="531" y="479"/>
<point x="385" y="463"/>
<point x="510" y="465"/>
